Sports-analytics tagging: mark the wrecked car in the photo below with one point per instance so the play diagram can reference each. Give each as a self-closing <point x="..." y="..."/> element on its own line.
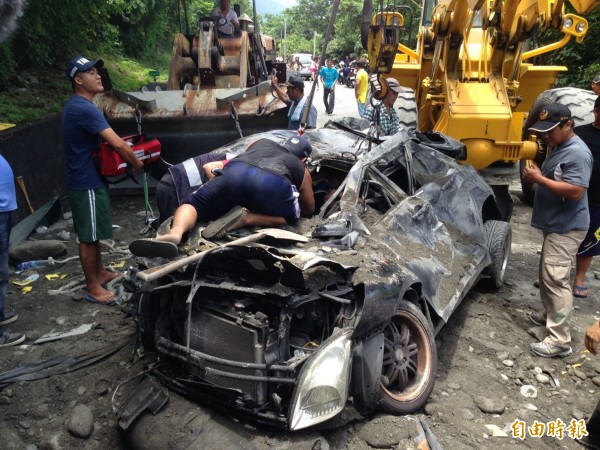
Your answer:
<point x="290" y="334"/>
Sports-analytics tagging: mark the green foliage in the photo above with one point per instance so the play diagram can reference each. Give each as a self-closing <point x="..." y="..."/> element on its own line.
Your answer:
<point x="581" y="59"/>
<point x="34" y="101"/>
<point x="129" y="75"/>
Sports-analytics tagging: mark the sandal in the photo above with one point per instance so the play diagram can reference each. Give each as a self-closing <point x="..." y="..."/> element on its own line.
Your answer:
<point x="580" y="291"/>
<point x="218" y="228"/>
<point x="152" y="248"/>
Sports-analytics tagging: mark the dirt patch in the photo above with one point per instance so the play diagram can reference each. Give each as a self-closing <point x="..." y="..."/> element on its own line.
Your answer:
<point x="483" y="351"/>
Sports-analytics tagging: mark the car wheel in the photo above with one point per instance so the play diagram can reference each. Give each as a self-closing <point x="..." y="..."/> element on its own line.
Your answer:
<point x="498" y="236"/>
<point x="409" y="361"/>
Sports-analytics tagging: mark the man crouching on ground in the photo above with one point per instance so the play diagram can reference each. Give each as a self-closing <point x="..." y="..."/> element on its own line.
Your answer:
<point x="268" y="185"/>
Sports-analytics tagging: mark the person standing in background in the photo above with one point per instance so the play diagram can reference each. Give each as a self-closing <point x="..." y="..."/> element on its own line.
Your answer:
<point x="382" y="113"/>
<point x="224" y="14"/>
<point x="361" y="87"/>
<point x="8" y="203"/>
<point x="296" y="100"/>
<point x="314" y="63"/>
<point x="590" y="247"/>
<point x="329" y="75"/>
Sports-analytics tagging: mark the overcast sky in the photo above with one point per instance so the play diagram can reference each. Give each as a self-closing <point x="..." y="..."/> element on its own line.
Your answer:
<point x="272" y="6"/>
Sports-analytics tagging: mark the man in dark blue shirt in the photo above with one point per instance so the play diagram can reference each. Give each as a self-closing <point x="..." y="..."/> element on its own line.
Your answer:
<point x="83" y="129"/>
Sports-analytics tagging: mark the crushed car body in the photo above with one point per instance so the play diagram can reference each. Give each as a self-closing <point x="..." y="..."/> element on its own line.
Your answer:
<point x="290" y="334"/>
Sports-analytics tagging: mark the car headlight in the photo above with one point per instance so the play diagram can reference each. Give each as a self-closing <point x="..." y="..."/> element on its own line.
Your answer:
<point x="322" y="388"/>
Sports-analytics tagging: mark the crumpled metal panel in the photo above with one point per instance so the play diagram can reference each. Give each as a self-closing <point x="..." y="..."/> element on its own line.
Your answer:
<point x="265" y="264"/>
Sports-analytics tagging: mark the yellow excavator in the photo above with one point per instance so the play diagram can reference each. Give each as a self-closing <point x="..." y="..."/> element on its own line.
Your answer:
<point x="471" y="75"/>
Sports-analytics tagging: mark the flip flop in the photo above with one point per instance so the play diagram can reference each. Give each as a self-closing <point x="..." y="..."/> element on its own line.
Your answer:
<point x="580" y="291"/>
<point x="91" y="299"/>
<point x="152" y="248"/>
<point x="218" y="228"/>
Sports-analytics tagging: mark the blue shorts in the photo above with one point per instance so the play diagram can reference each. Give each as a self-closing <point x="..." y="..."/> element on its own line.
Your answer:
<point x="242" y="184"/>
<point x="590" y="245"/>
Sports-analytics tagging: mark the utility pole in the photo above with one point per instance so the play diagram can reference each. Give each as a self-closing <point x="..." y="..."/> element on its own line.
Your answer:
<point x="315" y="44"/>
<point x="284" y="39"/>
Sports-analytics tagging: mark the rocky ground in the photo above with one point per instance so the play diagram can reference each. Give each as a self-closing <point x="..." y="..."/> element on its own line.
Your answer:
<point x="484" y="364"/>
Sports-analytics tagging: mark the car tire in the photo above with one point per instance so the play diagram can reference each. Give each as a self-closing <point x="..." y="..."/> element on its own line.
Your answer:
<point x="581" y="104"/>
<point x="498" y="236"/>
<point x="409" y="361"/>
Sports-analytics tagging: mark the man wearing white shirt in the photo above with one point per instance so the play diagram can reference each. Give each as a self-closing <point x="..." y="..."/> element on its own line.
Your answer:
<point x="231" y="20"/>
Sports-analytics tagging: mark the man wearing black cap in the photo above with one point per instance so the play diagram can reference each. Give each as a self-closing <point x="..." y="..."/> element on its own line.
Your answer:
<point x="83" y="129"/>
<point x="383" y="113"/>
<point x="295" y="99"/>
<point x="596" y="84"/>
<point x="560" y="210"/>
<point x="268" y="185"/>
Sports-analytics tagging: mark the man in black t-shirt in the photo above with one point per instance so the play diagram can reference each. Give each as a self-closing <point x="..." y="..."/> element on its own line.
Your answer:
<point x="590" y="247"/>
<point x="268" y="185"/>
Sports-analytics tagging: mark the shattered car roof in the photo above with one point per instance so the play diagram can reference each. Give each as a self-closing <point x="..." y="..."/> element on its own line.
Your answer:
<point x="438" y="228"/>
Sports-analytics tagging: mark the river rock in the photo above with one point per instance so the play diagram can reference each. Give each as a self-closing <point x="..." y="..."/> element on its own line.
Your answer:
<point x="35" y="250"/>
<point x="541" y="378"/>
<point x="529" y="391"/>
<point x="464" y="413"/>
<point x="596" y="381"/>
<point x="489" y="405"/>
<point x="433" y="408"/>
<point x="496" y="431"/>
<point x="81" y="422"/>
<point x="387" y="431"/>
<point x="508" y="362"/>
<point x="579" y="374"/>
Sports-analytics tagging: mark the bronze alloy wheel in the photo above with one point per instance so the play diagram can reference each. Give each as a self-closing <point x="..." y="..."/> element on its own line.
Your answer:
<point x="409" y="361"/>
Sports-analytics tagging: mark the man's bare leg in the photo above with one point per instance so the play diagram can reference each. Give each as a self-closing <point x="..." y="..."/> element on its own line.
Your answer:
<point x="183" y="221"/>
<point x="102" y="274"/>
<point x="250" y="219"/>
<point x="582" y="264"/>
<point x="89" y="255"/>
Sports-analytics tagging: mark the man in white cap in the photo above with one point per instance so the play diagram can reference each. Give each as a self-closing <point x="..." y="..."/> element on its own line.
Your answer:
<point x="383" y="113"/>
<point x="268" y="185"/>
<point x="560" y="211"/>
